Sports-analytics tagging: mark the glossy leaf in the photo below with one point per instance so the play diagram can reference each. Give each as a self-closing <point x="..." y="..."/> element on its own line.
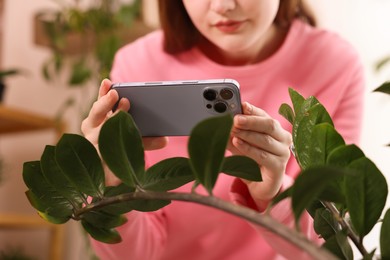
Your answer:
<point x="109" y="236"/>
<point x="168" y="174"/>
<point x="304" y="128"/>
<point x="80" y="162"/>
<point x="310" y="186"/>
<point x="286" y="111"/>
<point x="297" y="99"/>
<point x="42" y="194"/>
<point x="282" y="196"/>
<point x="385" y="236"/>
<point x="53" y="219"/>
<point x="56" y="178"/>
<point x="48" y="213"/>
<point x="241" y="167"/>
<point x="101" y="219"/>
<point x="121" y="147"/>
<point x="344" y="155"/>
<point x="339" y="246"/>
<point x="384" y="88"/>
<point x="324" y="139"/>
<point x="366" y="193"/>
<point x="324" y="223"/>
<point x="206" y="148"/>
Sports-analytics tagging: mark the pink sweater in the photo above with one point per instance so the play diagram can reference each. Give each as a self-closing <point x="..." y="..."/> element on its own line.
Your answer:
<point x="313" y="62"/>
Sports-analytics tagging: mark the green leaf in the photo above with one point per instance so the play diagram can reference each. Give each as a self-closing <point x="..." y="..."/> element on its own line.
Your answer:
<point x="297" y="99"/>
<point x="80" y="162"/>
<point x="339" y="246"/>
<point x="101" y="219"/>
<point x="316" y="114"/>
<point x="281" y="196"/>
<point x="323" y="141"/>
<point x="109" y="236"/>
<point x="384" y="88"/>
<point x="168" y="174"/>
<point x="45" y="211"/>
<point x="344" y="155"/>
<point x="311" y="185"/>
<point x="382" y="62"/>
<point x="324" y="223"/>
<point x="121" y="147"/>
<point x="207" y="145"/>
<point x="366" y="193"/>
<point x="53" y="219"/>
<point x="370" y="256"/>
<point x="241" y="167"/>
<point x="385" y="236"/>
<point x="80" y="73"/>
<point x="42" y="194"/>
<point x="286" y="111"/>
<point x="56" y="178"/>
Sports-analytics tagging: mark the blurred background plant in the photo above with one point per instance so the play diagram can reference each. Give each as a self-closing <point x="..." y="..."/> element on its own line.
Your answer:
<point x="381" y="64"/>
<point x="83" y="40"/>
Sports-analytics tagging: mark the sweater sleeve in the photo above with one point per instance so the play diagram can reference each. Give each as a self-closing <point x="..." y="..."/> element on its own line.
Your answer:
<point x="283" y="214"/>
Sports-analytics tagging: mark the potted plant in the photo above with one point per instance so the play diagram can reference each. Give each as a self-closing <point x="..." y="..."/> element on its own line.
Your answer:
<point x="83" y="40"/>
<point x="339" y="186"/>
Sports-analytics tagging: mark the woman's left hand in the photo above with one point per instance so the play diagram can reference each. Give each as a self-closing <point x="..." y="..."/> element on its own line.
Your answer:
<point x="257" y="135"/>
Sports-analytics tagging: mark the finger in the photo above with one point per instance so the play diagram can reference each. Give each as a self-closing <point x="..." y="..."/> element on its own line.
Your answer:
<point x="265" y="125"/>
<point x="101" y="108"/>
<point x="123" y="105"/>
<point x="263" y="141"/>
<point x="154" y="143"/>
<point x="249" y="109"/>
<point x="264" y="158"/>
<point x="104" y="87"/>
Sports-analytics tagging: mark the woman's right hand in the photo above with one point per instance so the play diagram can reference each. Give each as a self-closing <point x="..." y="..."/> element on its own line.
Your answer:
<point x="102" y="110"/>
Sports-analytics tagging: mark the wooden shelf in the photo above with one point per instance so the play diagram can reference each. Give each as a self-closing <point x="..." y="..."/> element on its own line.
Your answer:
<point x="18" y="221"/>
<point x="14" y="120"/>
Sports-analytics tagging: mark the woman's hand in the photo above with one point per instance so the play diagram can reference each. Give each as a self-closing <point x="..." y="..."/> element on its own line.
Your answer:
<point x="256" y="135"/>
<point x="102" y="110"/>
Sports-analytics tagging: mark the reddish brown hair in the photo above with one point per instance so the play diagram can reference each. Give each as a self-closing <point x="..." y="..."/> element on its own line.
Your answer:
<point x="181" y="34"/>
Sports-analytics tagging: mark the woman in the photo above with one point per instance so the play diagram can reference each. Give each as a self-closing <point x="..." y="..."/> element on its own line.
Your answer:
<point x="267" y="46"/>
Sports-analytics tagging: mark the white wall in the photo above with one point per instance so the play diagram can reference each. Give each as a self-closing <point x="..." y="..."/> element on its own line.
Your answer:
<point x="363" y="22"/>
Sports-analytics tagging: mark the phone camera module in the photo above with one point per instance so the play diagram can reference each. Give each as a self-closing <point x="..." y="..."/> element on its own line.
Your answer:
<point x="226" y="94"/>
<point x="220" y="107"/>
<point x="210" y="94"/>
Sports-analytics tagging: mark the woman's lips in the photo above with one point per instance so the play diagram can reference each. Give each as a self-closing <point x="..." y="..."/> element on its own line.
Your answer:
<point x="229" y="26"/>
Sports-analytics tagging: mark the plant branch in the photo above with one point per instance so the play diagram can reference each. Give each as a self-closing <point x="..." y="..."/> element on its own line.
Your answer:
<point x="351" y="234"/>
<point x="265" y="221"/>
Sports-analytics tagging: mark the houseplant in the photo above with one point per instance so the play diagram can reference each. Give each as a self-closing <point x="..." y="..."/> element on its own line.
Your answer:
<point x="83" y="40"/>
<point x="340" y="187"/>
<point x="3" y="75"/>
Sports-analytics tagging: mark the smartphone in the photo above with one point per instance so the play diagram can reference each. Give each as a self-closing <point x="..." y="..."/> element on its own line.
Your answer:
<point x="173" y="108"/>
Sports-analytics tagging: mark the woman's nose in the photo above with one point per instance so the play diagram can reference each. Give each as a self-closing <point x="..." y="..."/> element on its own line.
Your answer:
<point x="222" y="6"/>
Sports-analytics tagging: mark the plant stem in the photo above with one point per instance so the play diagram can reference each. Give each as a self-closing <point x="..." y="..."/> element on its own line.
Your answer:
<point x="263" y="220"/>
<point x="351" y="234"/>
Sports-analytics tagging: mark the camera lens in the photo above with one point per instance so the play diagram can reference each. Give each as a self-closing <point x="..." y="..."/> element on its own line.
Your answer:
<point x="226" y="94"/>
<point x="220" y="107"/>
<point x="210" y="94"/>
